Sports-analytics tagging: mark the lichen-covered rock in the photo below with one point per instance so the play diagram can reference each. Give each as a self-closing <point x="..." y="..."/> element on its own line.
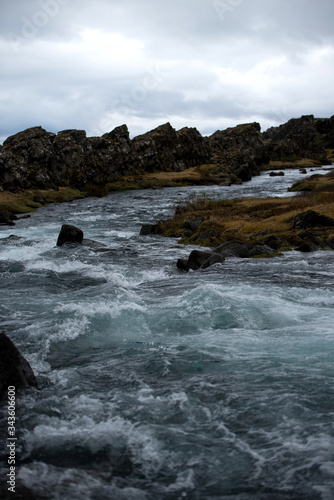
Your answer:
<point x="26" y="161"/>
<point x="240" y="150"/>
<point x="298" y="138"/>
<point x="35" y="158"/>
<point x="166" y="149"/>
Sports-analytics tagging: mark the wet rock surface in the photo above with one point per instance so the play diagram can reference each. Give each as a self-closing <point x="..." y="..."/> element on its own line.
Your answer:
<point x="69" y="234"/>
<point x="15" y="370"/>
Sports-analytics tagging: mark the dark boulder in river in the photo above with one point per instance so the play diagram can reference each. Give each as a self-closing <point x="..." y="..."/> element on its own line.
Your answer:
<point x="69" y="234"/>
<point x="14" y="368"/>
<point x="202" y="259"/>
<point x="199" y="259"/>
<point x="148" y="229"/>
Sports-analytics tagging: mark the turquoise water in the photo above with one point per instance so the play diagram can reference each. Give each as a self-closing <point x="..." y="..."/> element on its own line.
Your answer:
<point x="158" y="384"/>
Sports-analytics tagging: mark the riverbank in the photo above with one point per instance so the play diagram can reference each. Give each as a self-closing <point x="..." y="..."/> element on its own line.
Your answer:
<point x="26" y="201"/>
<point x="210" y="223"/>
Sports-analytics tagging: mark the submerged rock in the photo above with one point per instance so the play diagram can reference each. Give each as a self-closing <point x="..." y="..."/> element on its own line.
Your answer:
<point x="69" y="234"/>
<point x="14" y="368"/>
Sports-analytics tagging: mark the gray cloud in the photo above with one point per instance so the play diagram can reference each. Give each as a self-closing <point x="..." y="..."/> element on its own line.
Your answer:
<point x="203" y="63"/>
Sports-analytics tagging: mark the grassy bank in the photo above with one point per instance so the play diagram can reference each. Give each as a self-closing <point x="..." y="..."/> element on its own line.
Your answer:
<point x="28" y="201"/>
<point x="201" y="175"/>
<point x="251" y="220"/>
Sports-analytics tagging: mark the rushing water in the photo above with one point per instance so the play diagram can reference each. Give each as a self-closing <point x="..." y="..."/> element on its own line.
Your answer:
<point x="157" y="384"/>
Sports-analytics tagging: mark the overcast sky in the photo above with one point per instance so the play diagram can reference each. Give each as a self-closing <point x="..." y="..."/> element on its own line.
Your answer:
<point x="209" y="64"/>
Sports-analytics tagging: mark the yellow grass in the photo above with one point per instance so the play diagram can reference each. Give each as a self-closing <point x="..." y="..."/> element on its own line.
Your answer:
<point x="29" y="200"/>
<point x="251" y="219"/>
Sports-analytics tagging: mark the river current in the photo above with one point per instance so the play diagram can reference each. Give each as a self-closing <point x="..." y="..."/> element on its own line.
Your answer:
<point x="158" y="384"/>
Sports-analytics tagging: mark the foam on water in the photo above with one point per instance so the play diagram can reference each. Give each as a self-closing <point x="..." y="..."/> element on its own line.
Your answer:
<point x="160" y="384"/>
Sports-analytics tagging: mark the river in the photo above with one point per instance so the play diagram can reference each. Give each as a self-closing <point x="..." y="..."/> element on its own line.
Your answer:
<point x="158" y="384"/>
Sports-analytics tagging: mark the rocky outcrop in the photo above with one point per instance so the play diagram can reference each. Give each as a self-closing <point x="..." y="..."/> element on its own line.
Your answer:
<point x="39" y="159"/>
<point x="14" y="368"/>
<point x="325" y="127"/>
<point x="166" y="149"/>
<point x="239" y="150"/>
<point x="303" y="137"/>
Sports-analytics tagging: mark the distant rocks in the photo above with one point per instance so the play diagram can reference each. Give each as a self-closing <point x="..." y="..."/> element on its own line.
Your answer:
<point x="241" y="149"/>
<point x="277" y="174"/>
<point x="14" y="368"/>
<point x="305" y="137"/>
<point x="35" y="158"/>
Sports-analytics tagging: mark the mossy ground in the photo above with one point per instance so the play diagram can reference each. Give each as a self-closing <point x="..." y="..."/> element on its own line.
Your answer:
<point x="201" y="175"/>
<point x="252" y="219"/>
<point x="28" y="201"/>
